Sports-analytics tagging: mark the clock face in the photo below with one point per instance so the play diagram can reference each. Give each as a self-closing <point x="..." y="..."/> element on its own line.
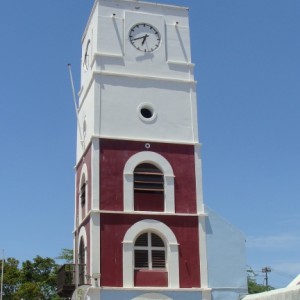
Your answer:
<point x="86" y="58"/>
<point x="144" y="37"/>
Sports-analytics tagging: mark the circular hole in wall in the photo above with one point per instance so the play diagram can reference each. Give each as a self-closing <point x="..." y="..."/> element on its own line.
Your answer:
<point x="147" y="113"/>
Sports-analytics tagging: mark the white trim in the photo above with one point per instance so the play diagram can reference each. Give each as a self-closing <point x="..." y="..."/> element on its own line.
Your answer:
<point x="156" y="289"/>
<point x="157" y="160"/>
<point x="106" y="54"/>
<point x="145" y="77"/>
<point x="206" y="295"/>
<point x="173" y="62"/>
<point x="198" y="174"/>
<point x="94" y="244"/>
<point x="194" y="116"/>
<point x="146" y="213"/>
<point x="82" y="234"/>
<point x="95" y="170"/>
<point x="172" y="255"/>
<point x="201" y="220"/>
<point x="203" y="253"/>
<point x="95" y="205"/>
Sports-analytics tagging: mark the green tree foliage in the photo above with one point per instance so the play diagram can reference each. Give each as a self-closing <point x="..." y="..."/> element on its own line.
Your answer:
<point x="29" y="290"/>
<point x="66" y="255"/>
<point x="34" y="280"/>
<point x="11" y="277"/>
<point x="253" y="286"/>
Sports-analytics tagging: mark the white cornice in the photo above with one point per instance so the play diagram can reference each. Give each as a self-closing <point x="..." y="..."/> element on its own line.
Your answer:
<point x="193" y="289"/>
<point x="145" y="77"/>
<point x="152" y="4"/>
<point x="138" y="213"/>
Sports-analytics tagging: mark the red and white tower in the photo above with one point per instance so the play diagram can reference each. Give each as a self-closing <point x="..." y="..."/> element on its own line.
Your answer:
<point x="140" y="221"/>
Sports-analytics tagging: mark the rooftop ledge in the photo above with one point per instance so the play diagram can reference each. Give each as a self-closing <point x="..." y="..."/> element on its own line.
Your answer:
<point x="146" y="289"/>
<point x="153" y="4"/>
<point x="146" y="213"/>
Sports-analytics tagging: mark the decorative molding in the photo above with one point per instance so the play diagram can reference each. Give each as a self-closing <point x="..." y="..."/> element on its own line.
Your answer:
<point x="173" y="62"/>
<point x="103" y="54"/>
<point x="140" y="76"/>
<point x="143" y="213"/>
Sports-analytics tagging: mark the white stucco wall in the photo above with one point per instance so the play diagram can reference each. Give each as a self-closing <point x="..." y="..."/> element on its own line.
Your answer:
<point x="226" y="258"/>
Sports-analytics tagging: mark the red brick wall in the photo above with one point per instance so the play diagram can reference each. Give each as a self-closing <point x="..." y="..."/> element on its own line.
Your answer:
<point x="114" y="155"/>
<point x="114" y="228"/>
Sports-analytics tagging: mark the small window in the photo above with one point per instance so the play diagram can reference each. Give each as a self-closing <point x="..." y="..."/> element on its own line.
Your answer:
<point x="149" y="178"/>
<point x="149" y="252"/>
<point x="148" y="188"/>
<point x="81" y="262"/>
<point x="83" y="193"/>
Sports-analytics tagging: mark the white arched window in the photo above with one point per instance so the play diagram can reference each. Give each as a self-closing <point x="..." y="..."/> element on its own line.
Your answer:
<point x="149" y="252"/>
<point x="82" y="255"/>
<point x="149" y="173"/>
<point x="152" y="246"/>
<point x="81" y="262"/>
<point x="83" y="193"/>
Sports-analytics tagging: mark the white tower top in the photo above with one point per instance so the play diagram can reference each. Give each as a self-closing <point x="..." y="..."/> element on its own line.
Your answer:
<point x="137" y="80"/>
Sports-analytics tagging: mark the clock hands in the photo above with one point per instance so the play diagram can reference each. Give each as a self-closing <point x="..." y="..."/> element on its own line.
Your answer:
<point x="144" y="37"/>
<point x="144" y="40"/>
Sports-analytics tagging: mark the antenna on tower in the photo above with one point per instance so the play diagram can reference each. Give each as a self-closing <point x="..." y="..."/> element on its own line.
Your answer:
<point x="76" y="107"/>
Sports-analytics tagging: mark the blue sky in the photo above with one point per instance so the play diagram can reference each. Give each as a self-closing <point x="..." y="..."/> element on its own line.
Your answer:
<point x="247" y="56"/>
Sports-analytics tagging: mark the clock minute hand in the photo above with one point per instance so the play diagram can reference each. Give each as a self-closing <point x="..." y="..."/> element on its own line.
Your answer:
<point x="144" y="40"/>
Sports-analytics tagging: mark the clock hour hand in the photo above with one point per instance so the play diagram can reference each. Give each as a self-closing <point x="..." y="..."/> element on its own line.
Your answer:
<point x="141" y="37"/>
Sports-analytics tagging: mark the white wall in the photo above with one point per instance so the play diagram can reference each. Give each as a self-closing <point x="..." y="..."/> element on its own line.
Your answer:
<point x="226" y="256"/>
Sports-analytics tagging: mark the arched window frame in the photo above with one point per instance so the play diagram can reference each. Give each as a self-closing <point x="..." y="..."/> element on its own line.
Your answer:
<point x="160" y="162"/>
<point x="82" y="237"/>
<point x="172" y="252"/>
<point x="81" y="262"/>
<point x="83" y="180"/>
<point x="152" y="296"/>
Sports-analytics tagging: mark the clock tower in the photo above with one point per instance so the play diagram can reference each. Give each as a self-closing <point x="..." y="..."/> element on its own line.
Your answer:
<point x="141" y="229"/>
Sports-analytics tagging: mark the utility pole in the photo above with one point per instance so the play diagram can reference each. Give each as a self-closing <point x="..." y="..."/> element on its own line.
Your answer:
<point x="266" y="270"/>
<point x="2" y="269"/>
